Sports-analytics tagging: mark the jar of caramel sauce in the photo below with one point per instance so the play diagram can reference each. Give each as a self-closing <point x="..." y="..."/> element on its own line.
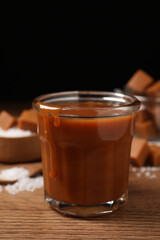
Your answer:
<point x="85" y="147"/>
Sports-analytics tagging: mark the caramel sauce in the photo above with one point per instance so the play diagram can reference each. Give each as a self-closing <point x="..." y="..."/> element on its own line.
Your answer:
<point x="85" y="158"/>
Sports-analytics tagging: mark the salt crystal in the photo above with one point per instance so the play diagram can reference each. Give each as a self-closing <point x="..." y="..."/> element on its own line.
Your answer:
<point x="155" y="169"/>
<point x="146" y="171"/>
<point x="153" y="176"/>
<point x="134" y="169"/>
<point x="15" y="132"/>
<point x="13" y="174"/>
<point x="25" y="184"/>
<point x="138" y="174"/>
<point x="147" y="174"/>
<point x="143" y="169"/>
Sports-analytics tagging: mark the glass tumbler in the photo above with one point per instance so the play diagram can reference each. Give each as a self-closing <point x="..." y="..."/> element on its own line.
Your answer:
<point x="85" y="141"/>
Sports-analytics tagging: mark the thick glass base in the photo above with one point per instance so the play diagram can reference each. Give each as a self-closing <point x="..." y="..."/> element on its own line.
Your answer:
<point x="86" y="210"/>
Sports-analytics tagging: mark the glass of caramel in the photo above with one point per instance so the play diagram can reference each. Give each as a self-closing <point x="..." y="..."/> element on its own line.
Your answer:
<point x="85" y="147"/>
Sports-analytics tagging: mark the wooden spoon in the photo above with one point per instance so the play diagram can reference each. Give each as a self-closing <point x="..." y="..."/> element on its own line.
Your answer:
<point x="33" y="168"/>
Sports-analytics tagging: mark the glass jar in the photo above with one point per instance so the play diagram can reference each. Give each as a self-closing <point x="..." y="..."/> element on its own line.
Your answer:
<point x="85" y="145"/>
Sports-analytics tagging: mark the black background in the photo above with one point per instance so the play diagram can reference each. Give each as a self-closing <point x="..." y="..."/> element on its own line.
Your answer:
<point x="77" y="47"/>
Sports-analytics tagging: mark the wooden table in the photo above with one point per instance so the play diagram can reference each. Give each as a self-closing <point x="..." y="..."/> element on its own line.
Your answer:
<point x="26" y="216"/>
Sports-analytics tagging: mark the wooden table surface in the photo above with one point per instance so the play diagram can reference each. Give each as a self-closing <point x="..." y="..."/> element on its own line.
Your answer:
<point x="27" y="216"/>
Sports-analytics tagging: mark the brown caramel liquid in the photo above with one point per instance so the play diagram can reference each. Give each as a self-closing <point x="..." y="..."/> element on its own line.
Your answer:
<point x="85" y="160"/>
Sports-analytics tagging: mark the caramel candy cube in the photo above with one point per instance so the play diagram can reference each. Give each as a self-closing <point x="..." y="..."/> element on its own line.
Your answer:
<point x="143" y="115"/>
<point x="139" y="151"/>
<point x="145" y="129"/>
<point x="7" y="120"/>
<point x="156" y="115"/>
<point x="154" y="90"/>
<point x="154" y="155"/>
<point x="28" y="120"/>
<point x="139" y="81"/>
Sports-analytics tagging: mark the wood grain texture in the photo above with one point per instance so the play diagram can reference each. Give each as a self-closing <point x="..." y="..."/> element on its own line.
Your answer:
<point x="26" y="216"/>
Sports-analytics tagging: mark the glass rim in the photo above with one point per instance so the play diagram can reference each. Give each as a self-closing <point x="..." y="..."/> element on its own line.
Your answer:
<point x="128" y="102"/>
<point x="148" y="99"/>
<point x="141" y="98"/>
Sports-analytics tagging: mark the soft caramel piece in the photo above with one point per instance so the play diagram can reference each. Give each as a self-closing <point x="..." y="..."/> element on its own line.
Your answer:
<point x="156" y="115"/>
<point x="154" y="90"/>
<point x="139" y="81"/>
<point x="143" y="115"/>
<point x="7" y="120"/>
<point x="28" y="120"/>
<point x="154" y="155"/>
<point x="139" y="151"/>
<point x="145" y="129"/>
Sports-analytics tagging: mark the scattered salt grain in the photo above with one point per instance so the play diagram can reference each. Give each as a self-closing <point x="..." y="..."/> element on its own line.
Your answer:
<point x="147" y="174"/>
<point x="134" y="169"/>
<point x="146" y="171"/>
<point x="138" y="174"/>
<point x="153" y="176"/>
<point x="154" y="169"/>
<point x="15" y="132"/>
<point x="13" y="174"/>
<point x="25" y="184"/>
<point x="143" y="169"/>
